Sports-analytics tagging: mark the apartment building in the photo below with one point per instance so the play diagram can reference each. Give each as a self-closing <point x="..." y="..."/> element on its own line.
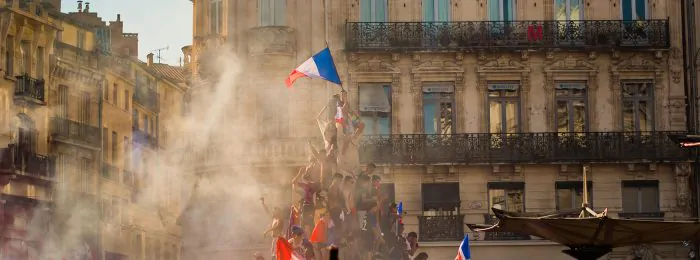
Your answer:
<point x="469" y="105"/>
<point x="72" y="162"/>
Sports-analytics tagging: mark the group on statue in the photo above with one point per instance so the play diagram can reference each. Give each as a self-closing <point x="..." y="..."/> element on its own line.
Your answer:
<point x="342" y="204"/>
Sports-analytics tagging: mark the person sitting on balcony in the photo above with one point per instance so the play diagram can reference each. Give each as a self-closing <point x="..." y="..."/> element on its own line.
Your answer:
<point x="276" y="227"/>
<point x="308" y="189"/>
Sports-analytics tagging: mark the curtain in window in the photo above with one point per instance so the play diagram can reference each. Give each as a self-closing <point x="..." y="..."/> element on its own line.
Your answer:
<point x="429" y="121"/>
<point x="501" y="10"/>
<point x="374" y="98"/>
<point x="634" y="10"/>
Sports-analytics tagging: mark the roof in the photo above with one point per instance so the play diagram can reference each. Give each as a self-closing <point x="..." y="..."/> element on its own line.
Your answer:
<point x="174" y="73"/>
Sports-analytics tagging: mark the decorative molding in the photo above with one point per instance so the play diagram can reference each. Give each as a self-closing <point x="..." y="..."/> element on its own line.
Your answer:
<point x="569" y="65"/>
<point x="683" y="171"/>
<point x="500" y="68"/>
<point x="435" y="69"/>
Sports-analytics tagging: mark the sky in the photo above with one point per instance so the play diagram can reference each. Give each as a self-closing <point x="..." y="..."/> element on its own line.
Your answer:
<point x="159" y="23"/>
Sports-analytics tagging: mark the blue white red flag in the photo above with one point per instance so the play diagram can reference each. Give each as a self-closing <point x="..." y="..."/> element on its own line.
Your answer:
<point x="464" y="253"/>
<point x="319" y="66"/>
<point x="399" y="211"/>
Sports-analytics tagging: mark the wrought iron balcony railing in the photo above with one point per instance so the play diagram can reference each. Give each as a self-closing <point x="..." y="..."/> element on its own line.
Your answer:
<point x="18" y="159"/>
<point x="441" y="228"/>
<point x="603" y="35"/>
<point x="110" y="172"/>
<point x="523" y="148"/>
<point x="142" y="137"/>
<point x="29" y="88"/>
<point x="62" y="128"/>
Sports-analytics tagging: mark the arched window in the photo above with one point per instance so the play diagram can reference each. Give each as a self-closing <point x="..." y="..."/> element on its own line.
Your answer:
<point x="26" y="133"/>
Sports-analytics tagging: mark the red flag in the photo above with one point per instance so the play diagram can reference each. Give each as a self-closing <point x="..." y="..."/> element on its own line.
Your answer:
<point x="285" y="251"/>
<point x="319" y="234"/>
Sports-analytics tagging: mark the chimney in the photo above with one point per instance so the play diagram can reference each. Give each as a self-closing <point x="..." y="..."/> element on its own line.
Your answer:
<point x="80" y="6"/>
<point x="119" y="17"/>
<point x="87" y="7"/>
<point x="149" y="59"/>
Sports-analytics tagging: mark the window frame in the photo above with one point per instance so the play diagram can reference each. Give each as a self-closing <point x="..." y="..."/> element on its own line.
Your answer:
<point x="503" y="100"/>
<point x="569" y="105"/>
<point x="374" y="116"/>
<point x="505" y="186"/>
<point x="447" y="88"/>
<point x="638" y="184"/>
<point x="650" y="99"/>
<point x="573" y="186"/>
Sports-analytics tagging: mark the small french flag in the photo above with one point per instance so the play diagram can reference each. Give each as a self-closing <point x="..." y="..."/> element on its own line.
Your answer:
<point x="319" y="66"/>
<point x="464" y="253"/>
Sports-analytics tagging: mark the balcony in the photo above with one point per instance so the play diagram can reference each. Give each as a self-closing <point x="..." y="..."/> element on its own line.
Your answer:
<point x="29" y="89"/>
<point x="601" y="35"/>
<point x="147" y="97"/>
<point x="110" y="172"/>
<point x="141" y="137"/>
<point x="24" y="162"/>
<point x="441" y="228"/>
<point x="69" y="131"/>
<point x="522" y="148"/>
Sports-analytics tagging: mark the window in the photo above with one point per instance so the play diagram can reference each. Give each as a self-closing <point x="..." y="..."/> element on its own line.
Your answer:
<point x="440" y="198"/>
<point x="62" y="109"/>
<point x="375" y="108"/>
<point x="115" y="139"/>
<point x="640" y="196"/>
<point x="86" y="178"/>
<point x="215" y="16"/>
<point x="115" y="91"/>
<point x="508" y="196"/>
<point x="145" y="123"/>
<point x="438" y="109"/>
<point x="85" y="108"/>
<point x="40" y="62"/>
<point x="568" y="10"/>
<point x="25" y="57"/>
<point x="502" y="10"/>
<point x="637" y="106"/>
<point x="127" y="151"/>
<point x="436" y="10"/>
<point x="105" y="143"/>
<point x="81" y="39"/>
<point x="135" y="119"/>
<point x="9" y="56"/>
<point x="569" y="194"/>
<point x="373" y="11"/>
<point x="127" y="100"/>
<point x="633" y="10"/>
<point x="571" y="102"/>
<point x="272" y="12"/>
<point x="504" y="108"/>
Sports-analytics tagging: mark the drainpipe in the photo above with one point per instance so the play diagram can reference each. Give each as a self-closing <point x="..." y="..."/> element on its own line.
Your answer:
<point x="100" y="105"/>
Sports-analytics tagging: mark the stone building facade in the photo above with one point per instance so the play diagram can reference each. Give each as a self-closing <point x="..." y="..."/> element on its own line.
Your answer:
<point x="470" y="105"/>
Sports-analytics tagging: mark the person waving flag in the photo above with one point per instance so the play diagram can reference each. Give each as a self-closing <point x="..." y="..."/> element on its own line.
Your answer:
<point x="285" y="251"/>
<point x="320" y="66"/>
<point x="464" y="253"/>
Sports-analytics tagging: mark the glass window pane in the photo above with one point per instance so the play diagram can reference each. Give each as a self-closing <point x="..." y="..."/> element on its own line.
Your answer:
<point x="560" y="10"/>
<point x="650" y="199"/>
<point x="645" y="122"/>
<point x="498" y="199"/>
<point x="641" y="9"/>
<point x="562" y="116"/>
<point x="446" y="117"/>
<point x="429" y="116"/>
<point x="494" y="10"/>
<point x="515" y="201"/>
<point x="429" y="10"/>
<point x="280" y="12"/>
<point x="511" y="117"/>
<point x="628" y="116"/>
<point x="575" y="10"/>
<point x="380" y="10"/>
<point x="384" y="124"/>
<point x="508" y="10"/>
<point x="495" y="117"/>
<point x="443" y="10"/>
<point x="579" y="120"/>
<point x="630" y="200"/>
<point x="565" y="199"/>
<point x="265" y="15"/>
<point x="366" y="11"/>
<point x="627" y="10"/>
<point x="370" y="126"/>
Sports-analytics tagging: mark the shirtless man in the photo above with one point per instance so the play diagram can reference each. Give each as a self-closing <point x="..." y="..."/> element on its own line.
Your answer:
<point x="276" y="227"/>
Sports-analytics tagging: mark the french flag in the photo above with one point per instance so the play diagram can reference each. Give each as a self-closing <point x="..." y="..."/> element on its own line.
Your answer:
<point x="319" y="66"/>
<point x="464" y="253"/>
<point x="285" y="252"/>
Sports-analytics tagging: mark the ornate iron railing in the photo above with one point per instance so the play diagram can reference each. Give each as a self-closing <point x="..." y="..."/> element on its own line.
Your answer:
<point x="510" y="35"/>
<point x="441" y="228"/>
<point x="65" y="128"/>
<point x="16" y="158"/>
<point x="29" y="88"/>
<point x="141" y="137"/>
<point x="523" y="148"/>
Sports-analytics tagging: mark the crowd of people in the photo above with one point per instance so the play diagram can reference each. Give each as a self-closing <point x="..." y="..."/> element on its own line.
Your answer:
<point x="342" y="204"/>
